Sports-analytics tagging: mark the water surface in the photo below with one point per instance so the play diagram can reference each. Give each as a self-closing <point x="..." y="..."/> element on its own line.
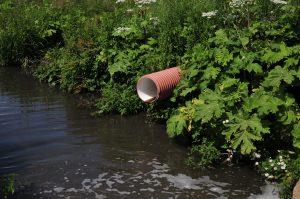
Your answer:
<point x="59" y="151"/>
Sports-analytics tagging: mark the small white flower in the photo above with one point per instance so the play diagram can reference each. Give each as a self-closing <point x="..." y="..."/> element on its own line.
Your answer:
<point x="257" y="155"/>
<point x="122" y="29"/>
<point x="275" y="168"/>
<point x="227" y="121"/>
<point x="283" y="167"/>
<point x="256" y="163"/>
<point x="140" y="3"/>
<point x="120" y="1"/>
<point x="279" y="2"/>
<point x="280" y="157"/>
<point x="267" y="175"/>
<point x="270" y="160"/>
<point x="224" y="122"/>
<point x="270" y="177"/>
<point x="129" y="10"/>
<point x="228" y="159"/>
<point x="209" y="15"/>
<point x="272" y="165"/>
<point x="239" y="3"/>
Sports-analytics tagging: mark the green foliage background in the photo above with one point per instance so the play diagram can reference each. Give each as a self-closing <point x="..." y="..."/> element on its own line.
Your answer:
<point x="240" y="69"/>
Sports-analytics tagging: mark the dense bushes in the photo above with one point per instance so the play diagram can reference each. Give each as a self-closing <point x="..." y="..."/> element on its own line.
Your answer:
<point x="239" y="59"/>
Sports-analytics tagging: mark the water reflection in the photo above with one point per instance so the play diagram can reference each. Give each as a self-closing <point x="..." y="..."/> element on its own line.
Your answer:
<point x="60" y="151"/>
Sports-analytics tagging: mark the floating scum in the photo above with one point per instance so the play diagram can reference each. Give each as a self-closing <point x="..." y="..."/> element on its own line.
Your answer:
<point x="158" y="85"/>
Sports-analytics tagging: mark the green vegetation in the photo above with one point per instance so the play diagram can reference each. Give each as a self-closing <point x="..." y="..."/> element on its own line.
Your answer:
<point x="239" y="58"/>
<point x="7" y="186"/>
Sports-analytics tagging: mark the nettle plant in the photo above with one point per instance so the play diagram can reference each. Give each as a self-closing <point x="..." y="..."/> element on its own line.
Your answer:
<point x="239" y="88"/>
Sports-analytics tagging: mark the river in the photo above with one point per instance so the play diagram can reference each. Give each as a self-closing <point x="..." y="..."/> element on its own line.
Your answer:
<point x="58" y="150"/>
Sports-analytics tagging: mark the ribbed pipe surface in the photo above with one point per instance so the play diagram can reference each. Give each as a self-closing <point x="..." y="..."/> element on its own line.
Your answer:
<point x="158" y="85"/>
<point x="296" y="192"/>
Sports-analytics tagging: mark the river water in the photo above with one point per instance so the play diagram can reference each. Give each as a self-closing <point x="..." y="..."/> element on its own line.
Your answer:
<point x="58" y="150"/>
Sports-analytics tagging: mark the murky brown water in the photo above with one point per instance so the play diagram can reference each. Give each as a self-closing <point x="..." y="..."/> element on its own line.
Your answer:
<point x="59" y="151"/>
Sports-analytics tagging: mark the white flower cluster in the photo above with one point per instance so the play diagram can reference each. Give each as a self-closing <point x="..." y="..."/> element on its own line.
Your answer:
<point x="120" y="1"/>
<point x="122" y="29"/>
<point x="256" y="155"/>
<point x="209" y="14"/>
<point x="279" y="2"/>
<point x="281" y="163"/>
<point x="239" y="3"/>
<point x="140" y="3"/>
<point x="155" y="20"/>
<point x="269" y="176"/>
<point x="225" y="121"/>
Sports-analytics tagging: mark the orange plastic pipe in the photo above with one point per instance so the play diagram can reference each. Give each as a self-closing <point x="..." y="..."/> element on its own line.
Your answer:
<point x="158" y="85"/>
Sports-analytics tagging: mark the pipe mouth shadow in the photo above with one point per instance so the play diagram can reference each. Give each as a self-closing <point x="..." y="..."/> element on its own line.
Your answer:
<point x="147" y="90"/>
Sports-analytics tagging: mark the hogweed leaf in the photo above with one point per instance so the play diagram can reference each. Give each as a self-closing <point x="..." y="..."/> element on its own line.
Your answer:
<point x="210" y="73"/>
<point x="296" y="135"/>
<point x="276" y="76"/>
<point x="288" y="117"/>
<point x="263" y="102"/>
<point x="243" y="130"/>
<point x="213" y="107"/>
<point x="254" y="67"/>
<point x="228" y="82"/>
<point x="222" y="55"/>
<point x="176" y="125"/>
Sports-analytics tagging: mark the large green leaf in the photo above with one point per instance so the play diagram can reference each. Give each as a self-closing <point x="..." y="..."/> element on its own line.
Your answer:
<point x="213" y="106"/>
<point x="176" y="125"/>
<point x="222" y="55"/>
<point x="272" y="57"/>
<point x="121" y="64"/>
<point x="243" y="130"/>
<point x="210" y="73"/>
<point x="296" y="134"/>
<point x="277" y="75"/>
<point x="254" y="67"/>
<point x="205" y="112"/>
<point x="263" y="102"/>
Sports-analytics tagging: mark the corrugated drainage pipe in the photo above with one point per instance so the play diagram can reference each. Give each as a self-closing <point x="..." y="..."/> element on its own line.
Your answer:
<point x="158" y="85"/>
<point x="296" y="191"/>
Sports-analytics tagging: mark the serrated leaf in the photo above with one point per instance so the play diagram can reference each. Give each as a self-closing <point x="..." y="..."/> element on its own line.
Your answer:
<point x="272" y="57"/>
<point x="212" y="108"/>
<point x="176" y="125"/>
<point x="277" y="75"/>
<point x="205" y="112"/>
<point x="263" y="102"/>
<point x="187" y="91"/>
<point x="121" y="64"/>
<point x="288" y="117"/>
<point x="222" y="55"/>
<point x="296" y="135"/>
<point x="244" y="40"/>
<point x="210" y="73"/>
<point x="117" y="67"/>
<point x="254" y="67"/>
<point x="220" y="38"/>
<point x="298" y="73"/>
<point x="243" y="130"/>
<point x="245" y="140"/>
<point x="291" y="62"/>
<point x="228" y="82"/>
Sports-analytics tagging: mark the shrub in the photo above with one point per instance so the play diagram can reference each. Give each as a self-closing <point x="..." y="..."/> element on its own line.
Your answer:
<point x="7" y="187"/>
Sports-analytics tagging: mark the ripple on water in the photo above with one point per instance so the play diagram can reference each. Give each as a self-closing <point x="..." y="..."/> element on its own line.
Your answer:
<point x="157" y="182"/>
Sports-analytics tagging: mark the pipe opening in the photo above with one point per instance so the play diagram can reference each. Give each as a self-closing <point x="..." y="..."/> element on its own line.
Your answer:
<point x="147" y="90"/>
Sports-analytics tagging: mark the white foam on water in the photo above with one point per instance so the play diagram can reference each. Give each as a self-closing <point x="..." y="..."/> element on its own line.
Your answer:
<point x="157" y="178"/>
<point x="269" y="191"/>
